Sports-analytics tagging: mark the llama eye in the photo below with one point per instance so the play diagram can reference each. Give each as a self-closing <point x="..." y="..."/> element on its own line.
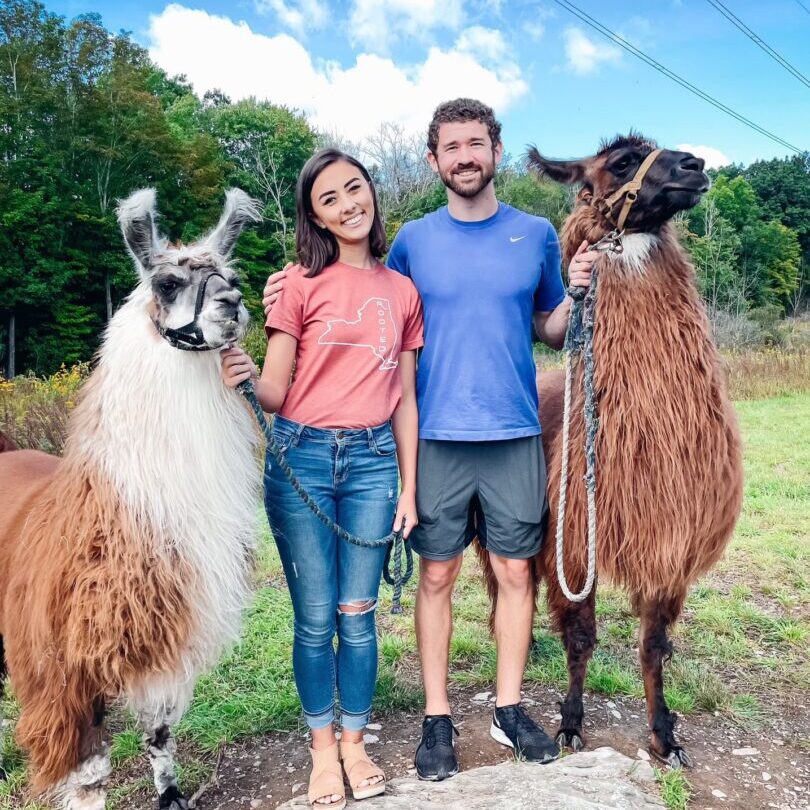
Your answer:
<point x="168" y="287"/>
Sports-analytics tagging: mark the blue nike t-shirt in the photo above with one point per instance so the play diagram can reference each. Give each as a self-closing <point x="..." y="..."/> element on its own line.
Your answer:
<point x="480" y="284"/>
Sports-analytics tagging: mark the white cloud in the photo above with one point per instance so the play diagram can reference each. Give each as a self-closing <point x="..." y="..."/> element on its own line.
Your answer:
<point x="215" y="52"/>
<point x="487" y="44"/>
<point x="298" y="17"/>
<point x="714" y="157"/>
<point x="377" y="23"/>
<point x="534" y="30"/>
<point x="585" y="55"/>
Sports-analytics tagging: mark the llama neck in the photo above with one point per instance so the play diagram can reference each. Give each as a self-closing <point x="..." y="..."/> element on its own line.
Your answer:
<point x="159" y="424"/>
<point x="652" y="333"/>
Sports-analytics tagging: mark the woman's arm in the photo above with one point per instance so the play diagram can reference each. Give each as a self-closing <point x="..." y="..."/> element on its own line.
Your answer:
<point x="405" y="423"/>
<point x="271" y="387"/>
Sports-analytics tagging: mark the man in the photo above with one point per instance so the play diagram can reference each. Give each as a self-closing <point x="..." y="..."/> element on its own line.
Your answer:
<point x="484" y="271"/>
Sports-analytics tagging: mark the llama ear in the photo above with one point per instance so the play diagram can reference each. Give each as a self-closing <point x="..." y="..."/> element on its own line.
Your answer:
<point x="136" y="216"/>
<point x="240" y="209"/>
<point x="561" y="171"/>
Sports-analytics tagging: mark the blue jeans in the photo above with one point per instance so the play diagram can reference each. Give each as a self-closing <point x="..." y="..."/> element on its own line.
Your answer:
<point x="352" y="476"/>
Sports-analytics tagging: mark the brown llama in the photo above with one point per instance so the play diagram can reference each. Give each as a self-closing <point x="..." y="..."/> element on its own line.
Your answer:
<point x="669" y="468"/>
<point x="125" y="564"/>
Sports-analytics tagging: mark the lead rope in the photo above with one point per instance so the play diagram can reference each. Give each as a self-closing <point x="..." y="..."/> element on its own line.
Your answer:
<point x="579" y="341"/>
<point x="395" y="540"/>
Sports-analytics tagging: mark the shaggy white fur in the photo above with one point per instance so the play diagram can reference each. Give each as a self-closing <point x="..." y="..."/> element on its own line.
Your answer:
<point x="637" y="247"/>
<point x="84" y="788"/>
<point x="184" y="462"/>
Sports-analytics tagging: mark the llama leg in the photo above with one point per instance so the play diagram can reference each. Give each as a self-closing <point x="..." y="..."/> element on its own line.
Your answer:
<point x="85" y="787"/>
<point x="162" y="748"/>
<point x="576" y="621"/>
<point x="654" y="649"/>
<point x="157" y="712"/>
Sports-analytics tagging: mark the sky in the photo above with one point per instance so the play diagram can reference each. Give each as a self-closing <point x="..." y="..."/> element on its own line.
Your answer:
<point x="552" y="80"/>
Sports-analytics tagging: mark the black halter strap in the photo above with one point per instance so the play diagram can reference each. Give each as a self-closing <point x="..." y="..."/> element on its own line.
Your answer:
<point x="190" y="338"/>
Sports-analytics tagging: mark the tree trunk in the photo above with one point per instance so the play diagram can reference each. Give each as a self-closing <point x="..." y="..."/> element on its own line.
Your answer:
<point x="11" y="345"/>
<point x="108" y="296"/>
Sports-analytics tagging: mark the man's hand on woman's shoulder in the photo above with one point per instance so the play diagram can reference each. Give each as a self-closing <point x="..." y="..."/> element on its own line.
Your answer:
<point x="273" y="288"/>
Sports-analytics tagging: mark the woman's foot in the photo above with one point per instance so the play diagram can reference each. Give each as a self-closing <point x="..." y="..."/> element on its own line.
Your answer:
<point x="326" y="780"/>
<point x="365" y="778"/>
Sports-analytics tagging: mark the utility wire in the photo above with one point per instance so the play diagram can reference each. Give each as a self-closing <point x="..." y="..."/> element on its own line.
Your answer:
<point x="596" y="25"/>
<point x="732" y="18"/>
<point x="803" y="6"/>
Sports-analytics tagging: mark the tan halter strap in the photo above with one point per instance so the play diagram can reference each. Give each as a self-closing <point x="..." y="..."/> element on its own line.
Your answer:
<point x="629" y="191"/>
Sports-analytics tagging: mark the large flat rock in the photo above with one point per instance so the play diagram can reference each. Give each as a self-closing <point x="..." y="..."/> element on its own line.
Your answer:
<point x="602" y="779"/>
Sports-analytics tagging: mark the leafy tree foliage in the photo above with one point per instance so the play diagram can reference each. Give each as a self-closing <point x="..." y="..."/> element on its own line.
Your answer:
<point x="86" y="118"/>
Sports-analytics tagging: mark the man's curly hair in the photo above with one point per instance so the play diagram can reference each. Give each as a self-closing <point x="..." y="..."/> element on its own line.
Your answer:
<point x="460" y="110"/>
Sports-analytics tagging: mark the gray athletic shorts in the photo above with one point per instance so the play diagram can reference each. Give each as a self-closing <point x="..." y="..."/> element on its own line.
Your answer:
<point x="495" y="489"/>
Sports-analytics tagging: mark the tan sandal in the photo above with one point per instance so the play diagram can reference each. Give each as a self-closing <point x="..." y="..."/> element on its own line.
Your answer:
<point x="358" y="768"/>
<point x="326" y="778"/>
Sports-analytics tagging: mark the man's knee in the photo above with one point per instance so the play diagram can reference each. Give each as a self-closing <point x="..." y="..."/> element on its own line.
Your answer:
<point x="514" y="575"/>
<point x="437" y="577"/>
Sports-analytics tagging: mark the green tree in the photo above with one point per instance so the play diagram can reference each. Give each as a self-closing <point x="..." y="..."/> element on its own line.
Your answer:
<point x="265" y="147"/>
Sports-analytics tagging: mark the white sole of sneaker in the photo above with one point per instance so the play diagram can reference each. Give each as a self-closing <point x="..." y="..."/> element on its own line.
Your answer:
<point x="498" y="735"/>
<point x="435" y="778"/>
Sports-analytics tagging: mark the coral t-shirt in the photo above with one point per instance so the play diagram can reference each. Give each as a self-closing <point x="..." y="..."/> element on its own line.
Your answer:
<point x="350" y="324"/>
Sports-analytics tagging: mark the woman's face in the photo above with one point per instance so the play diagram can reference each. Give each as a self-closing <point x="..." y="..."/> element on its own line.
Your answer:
<point x="342" y="202"/>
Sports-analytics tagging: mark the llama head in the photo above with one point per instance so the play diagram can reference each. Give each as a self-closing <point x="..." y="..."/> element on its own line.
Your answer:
<point x="674" y="182"/>
<point x="195" y="299"/>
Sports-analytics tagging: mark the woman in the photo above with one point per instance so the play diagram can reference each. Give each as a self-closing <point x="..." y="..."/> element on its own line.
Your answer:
<point x="350" y="328"/>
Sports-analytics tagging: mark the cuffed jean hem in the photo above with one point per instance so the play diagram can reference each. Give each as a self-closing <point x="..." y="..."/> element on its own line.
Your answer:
<point x="316" y="721"/>
<point x="354" y="722"/>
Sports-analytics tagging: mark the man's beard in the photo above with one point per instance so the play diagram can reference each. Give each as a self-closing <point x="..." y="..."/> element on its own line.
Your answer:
<point x="468" y="191"/>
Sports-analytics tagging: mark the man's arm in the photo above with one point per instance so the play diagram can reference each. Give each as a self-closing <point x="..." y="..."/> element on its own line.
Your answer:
<point x="273" y="288"/>
<point x="551" y="326"/>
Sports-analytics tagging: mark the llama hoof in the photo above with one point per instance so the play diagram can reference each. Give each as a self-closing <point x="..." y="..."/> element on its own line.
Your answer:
<point x="570" y="739"/>
<point x="677" y="758"/>
<point x="172" y="799"/>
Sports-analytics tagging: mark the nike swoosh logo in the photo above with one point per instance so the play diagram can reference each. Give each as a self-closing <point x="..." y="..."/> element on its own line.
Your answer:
<point x="516" y="238"/>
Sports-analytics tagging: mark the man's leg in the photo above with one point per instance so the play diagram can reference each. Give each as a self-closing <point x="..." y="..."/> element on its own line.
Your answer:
<point x="445" y="485"/>
<point x="512" y="493"/>
<point x="513" y="624"/>
<point x="434" y="627"/>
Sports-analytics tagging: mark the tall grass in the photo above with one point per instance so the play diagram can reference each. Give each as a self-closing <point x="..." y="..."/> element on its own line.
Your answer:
<point x="34" y="410"/>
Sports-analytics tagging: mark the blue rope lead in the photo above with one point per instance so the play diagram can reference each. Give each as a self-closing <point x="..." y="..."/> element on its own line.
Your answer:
<point x="395" y="540"/>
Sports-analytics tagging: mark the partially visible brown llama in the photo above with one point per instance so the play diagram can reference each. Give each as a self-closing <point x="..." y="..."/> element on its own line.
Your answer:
<point x="669" y="467"/>
<point x="124" y="565"/>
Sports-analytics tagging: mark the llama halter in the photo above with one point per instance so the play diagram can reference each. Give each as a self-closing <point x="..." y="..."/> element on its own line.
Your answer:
<point x="629" y="191"/>
<point x="190" y="337"/>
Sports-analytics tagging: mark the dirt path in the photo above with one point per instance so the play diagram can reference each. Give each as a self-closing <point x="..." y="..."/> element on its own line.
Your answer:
<point x="770" y="769"/>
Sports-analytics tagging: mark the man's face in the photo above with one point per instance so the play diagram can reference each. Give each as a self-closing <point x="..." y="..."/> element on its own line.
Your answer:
<point x="465" y="160"/>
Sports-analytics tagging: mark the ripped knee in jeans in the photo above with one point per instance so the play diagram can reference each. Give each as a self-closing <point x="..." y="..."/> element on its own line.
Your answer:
<point x="357" y="607"/>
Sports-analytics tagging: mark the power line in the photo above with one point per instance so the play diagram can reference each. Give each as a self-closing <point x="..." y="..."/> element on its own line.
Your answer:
<point x="596" y="25"/>
<point x="757" y="40"/>
<point x="803" y="6"/>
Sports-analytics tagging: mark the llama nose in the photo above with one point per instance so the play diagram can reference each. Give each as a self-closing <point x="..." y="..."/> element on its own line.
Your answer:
<point x="691" y="163"/>
<point x="229" y="299"/>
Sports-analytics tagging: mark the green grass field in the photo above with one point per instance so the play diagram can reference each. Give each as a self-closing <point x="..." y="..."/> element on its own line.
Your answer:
<point x="746" y="624"/>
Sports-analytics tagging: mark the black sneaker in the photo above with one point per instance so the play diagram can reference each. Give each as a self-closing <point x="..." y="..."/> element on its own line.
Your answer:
<point x="435" y="758"/>
<point x="512" y="726"/>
